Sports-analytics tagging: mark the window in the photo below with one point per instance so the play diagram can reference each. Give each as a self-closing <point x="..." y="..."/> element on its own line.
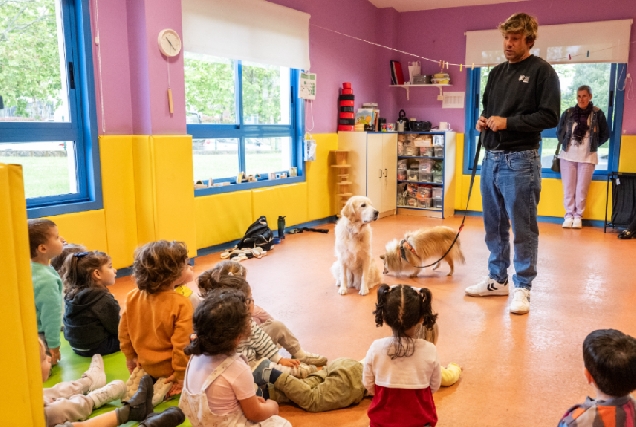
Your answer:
<point x="45" y="122"/>
<point x="243" y="116"/>
<point x="601" y="77"/>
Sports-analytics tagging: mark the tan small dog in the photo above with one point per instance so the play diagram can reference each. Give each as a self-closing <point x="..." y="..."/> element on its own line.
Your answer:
<point x="418" y="247"/>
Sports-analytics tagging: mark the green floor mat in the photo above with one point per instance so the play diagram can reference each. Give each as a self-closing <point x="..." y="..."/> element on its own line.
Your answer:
<point x="72" y="366"/>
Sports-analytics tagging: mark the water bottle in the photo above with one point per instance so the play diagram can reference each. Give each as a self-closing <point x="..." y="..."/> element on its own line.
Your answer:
<point x="281" y="227"/>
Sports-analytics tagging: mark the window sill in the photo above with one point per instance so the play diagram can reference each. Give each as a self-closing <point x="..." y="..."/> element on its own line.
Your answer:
<point x="247" y="186"/>
<point x="66" y="208"/>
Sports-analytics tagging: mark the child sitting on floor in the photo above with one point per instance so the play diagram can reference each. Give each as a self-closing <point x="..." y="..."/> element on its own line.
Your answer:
<point x="258" y="345"/>
<point x="91" y="316"/>
<point x="65" y="403"/>
<point x="156" y="325"/>
<point x="610" y="366"/>
<point x="279" y="333"/>
<point x="219" y="389"/>
<point x="402" y="371"/>
<point x="45" y="244"/>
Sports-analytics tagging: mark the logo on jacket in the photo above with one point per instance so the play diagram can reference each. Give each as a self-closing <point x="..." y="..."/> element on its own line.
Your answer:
<point x="525" y="79"/>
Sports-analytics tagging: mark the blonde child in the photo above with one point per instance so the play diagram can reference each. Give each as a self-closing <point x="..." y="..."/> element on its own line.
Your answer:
<point x="91" y="315"/>
<point x="258" y="346"/>
<point x="279" y="333"/>
<point x="45" y="244"/>
<point x="156" y="325"/>
<point x="402" y="371"/>
<point x="219" y="389"/>
<point x="66" y="403"/>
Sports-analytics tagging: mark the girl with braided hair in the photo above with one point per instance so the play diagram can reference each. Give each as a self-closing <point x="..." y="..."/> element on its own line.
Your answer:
<point x="219" y="387"/>
<point x="402" y="371"/>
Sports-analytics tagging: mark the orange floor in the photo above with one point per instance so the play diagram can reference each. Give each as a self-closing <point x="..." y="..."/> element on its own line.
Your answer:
<point x="518" y="370"/>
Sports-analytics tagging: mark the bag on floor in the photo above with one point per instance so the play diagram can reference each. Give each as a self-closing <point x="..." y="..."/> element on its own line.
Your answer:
<point x="257" y="235"/>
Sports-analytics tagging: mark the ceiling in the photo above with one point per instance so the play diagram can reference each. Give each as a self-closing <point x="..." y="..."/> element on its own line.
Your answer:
<point x="412" y="5"/>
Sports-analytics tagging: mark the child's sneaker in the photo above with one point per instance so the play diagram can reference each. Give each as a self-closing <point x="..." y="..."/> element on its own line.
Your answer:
<point x="112" y="391"/>
<point x="488" y="288"/>
<point x="261" y="372"/>
<point x="310" y="358"/>
<point x="95" y="373"/>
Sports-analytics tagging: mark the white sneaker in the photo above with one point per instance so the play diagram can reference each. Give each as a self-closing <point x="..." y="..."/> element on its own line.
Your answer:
<point x="577" y="223"/>
<point x="112" y="391"/>
<point x="568" y="223"/>
<point x="95" y="373"/>
<point x="520" y="303"/>
<point x="488" y="288"/>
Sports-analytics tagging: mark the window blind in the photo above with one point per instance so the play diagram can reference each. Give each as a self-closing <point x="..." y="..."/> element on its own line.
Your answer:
<point x="603" y="41"/>
<point x="250" y="30"/>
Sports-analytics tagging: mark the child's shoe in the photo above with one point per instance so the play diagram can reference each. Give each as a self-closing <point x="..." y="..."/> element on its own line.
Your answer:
<point x="95" y="373"/>
<point x="112" y="391"/>
<point x="159" y="391"/>
<point x="261" y="372"/>
<point x="310" y="358"/>
<point x="171" y="417"/>
<point x="141" y="403"/>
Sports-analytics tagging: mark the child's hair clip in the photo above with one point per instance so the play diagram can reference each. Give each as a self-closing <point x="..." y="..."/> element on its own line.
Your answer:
<point x="80" y="254"/>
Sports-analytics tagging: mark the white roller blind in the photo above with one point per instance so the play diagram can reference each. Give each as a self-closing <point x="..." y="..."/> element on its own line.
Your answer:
<point x="604" y="41"/>
<point x="251" y="30"/>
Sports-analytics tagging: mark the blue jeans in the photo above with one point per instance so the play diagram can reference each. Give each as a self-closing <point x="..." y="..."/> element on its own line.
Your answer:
<point x="510" y="190"/>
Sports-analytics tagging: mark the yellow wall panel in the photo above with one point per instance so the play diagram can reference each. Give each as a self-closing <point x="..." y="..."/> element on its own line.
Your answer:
<point x="118" y="188"/>
<point x="86" y="228"/>
<point x="144" y="188"/>
<point x="320" y="180"/>
<point x="627" y="161"/>
<point x="222" y="218"/>
<point x="19" y="352"/>
<point x="174" y="189"/>
<point x="287" y="200"/>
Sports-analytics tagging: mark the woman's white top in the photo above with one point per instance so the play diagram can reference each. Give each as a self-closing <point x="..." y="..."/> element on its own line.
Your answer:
<point x="580" y="152"/>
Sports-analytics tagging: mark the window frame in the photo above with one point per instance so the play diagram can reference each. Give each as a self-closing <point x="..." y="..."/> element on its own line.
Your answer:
<point x="241" y="131"/>
<point x="82" y="126"/>
<point x="614" y="117"/>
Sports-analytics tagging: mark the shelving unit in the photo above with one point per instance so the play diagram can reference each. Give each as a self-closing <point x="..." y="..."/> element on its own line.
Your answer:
<point x="343" y="181"/>
<point x="433" y="196"/>
<point x="408" y="87"/>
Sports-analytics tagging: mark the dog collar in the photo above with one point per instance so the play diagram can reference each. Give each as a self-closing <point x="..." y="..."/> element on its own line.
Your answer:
<point x="404" y="244"/>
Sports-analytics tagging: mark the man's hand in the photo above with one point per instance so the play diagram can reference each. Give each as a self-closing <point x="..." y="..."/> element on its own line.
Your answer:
<point x="496" y="123"/>
<point x="289" y="362"/>
<point x="55" y="355"/>
<point x="481" y="124"/>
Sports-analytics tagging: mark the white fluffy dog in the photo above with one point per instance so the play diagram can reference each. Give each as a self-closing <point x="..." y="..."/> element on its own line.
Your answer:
<point x="355" y="267"/>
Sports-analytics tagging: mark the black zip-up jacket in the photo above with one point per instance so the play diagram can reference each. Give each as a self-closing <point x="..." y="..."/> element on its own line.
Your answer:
<point x="528" y="95"/>
<point x="90" y="317"/>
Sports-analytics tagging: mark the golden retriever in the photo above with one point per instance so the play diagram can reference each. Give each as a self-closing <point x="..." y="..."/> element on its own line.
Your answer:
<point x="426" y="244"/>
<point x="355" y="267"/>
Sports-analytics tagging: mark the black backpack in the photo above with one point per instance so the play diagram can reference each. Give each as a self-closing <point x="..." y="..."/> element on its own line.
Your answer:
<point x="257" y="235"/>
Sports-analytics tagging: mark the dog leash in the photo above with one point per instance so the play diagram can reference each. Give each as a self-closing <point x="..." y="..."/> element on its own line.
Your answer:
<point x="461" y="226"/>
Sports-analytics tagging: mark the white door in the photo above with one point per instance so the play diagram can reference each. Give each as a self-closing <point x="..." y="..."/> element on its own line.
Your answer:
<point x="389" y="173"/>
<point x="375" y="171"/>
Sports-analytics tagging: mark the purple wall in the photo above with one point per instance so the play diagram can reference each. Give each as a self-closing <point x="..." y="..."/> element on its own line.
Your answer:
<point x="134" y="78"/>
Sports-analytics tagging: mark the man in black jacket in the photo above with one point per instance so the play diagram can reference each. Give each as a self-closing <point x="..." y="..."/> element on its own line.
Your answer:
<point x="522" y="98"/>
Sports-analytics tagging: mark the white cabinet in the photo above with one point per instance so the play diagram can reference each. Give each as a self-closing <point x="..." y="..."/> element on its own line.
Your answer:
<point x="373" y="167"/>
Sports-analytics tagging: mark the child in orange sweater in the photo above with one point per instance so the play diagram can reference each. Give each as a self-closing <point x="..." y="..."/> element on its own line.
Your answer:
<point x="156" y="325"/>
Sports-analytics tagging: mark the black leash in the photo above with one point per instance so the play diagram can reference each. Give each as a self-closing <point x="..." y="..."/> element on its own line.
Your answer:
<point x="461" y="227"/>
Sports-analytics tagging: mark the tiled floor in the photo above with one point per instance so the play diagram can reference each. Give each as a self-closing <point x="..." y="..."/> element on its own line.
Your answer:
<point x="518" y="370"/>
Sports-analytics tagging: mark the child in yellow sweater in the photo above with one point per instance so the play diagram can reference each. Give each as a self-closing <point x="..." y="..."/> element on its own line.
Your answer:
<point x="156" y="325"/>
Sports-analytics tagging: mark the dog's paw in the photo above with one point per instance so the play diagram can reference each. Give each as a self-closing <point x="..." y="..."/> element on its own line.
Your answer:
<point x="363" y="291"/>
<point x="342" y="290"/>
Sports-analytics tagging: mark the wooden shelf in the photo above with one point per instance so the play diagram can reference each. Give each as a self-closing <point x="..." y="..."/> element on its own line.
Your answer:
<point x="345" y="194"/>
<point x="408" y="87"/>
<point x="344" y="182"/>
<point x="340" y="166"/>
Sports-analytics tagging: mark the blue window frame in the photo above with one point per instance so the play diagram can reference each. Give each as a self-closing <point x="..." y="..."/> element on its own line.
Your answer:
<point x="613" y="110"/>
<point x="75" y="132"/>
<point x="241" y="137"/>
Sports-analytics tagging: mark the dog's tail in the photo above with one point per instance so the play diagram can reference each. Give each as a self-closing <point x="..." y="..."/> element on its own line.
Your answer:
<point x="460" y="254"/>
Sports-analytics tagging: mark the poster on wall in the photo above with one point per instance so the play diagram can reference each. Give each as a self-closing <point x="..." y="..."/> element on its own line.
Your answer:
<point x="308" y="86"/>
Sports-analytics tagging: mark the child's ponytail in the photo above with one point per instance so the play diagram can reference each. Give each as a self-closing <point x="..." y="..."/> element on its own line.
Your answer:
<point x="78" y="271"/>
<point x="383" y="292"/>
<point x="426" y="309"/>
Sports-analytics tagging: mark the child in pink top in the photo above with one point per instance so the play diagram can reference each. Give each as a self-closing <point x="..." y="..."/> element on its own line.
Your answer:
<point x="402" y="371"/>
<point x="219" y="387"/>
